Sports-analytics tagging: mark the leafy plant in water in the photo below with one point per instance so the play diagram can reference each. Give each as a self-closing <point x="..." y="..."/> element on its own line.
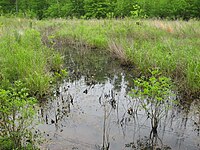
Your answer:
<point x="60" y="75"/>
<point x="16" y="118"/>
<point x="154" y="94"/>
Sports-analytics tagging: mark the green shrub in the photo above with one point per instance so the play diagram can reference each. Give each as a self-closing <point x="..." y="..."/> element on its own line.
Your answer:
<point x="171" y="9"/>
<point x="16" y="117"/>
<point x="96" y="8"/>
<point x="154" y="94"/>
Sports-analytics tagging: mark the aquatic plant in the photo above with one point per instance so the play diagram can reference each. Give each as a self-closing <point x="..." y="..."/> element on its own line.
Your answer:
<point x="155" y="96"/>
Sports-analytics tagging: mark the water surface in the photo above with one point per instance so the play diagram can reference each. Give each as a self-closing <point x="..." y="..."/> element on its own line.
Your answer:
<point x="92" y="110"/>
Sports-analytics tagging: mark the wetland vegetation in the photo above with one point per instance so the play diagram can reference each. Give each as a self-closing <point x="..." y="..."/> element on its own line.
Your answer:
<point x="30" y="50"/>
<point x="110" y="66"/>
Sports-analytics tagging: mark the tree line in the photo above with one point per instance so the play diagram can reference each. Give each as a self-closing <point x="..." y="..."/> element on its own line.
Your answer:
<point x="171" y="9"/>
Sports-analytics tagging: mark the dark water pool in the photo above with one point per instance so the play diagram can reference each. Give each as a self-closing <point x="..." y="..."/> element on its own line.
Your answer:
<point x="91" y="110"/>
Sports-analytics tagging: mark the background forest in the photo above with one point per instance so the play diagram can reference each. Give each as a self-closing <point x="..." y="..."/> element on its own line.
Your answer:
<point x="164" y="9"/>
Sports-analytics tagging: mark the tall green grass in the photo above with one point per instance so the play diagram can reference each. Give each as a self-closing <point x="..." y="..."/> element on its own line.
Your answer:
<point x="24" y="57"/>
<point x="172" y="46"/>
<point x="27" y="69"/>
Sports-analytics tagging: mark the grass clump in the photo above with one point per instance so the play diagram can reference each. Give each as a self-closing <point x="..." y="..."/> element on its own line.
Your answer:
<point x="21" y="60"/>
<point x="24" y="57"/>
<point x="89" y="34"/>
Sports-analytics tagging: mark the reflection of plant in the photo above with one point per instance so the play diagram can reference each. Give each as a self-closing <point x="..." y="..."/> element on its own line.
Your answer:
<point x="154" y="95"/>
<point x="146" y="143"/>
<point x="16" y="117"/>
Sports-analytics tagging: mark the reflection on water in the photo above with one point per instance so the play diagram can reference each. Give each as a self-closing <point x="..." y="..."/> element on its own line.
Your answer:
<point x="92" y="110"/>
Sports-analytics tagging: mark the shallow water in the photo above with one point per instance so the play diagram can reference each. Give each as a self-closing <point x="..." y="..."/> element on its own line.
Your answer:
<point x="91" y="110"/>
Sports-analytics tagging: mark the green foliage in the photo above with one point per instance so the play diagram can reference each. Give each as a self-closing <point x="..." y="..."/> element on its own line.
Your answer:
<point x="156" y="89"/>
<point x="54" y="10"/>
<point x="96" y="8"/>
<point x="7" y="6"/>
<point x="65" y="9"/>
<point x="56" y="62"/>
<point x="24" y="57"/>
<point x="123" y="8"/>
<point x="60" y="75"/>
<point x="154" y="94"/>
<point x="16" y="117"/>
<point x="137" y="12"/>
<point x="77" y="8"/>
<point x="172" y="9"/>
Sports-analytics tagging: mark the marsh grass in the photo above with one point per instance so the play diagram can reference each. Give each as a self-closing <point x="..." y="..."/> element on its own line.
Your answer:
<point x="172" y="46"/>
<point x="118" y="52"/>
<point x="24" y="60"/>
<point x="24" y="57"/>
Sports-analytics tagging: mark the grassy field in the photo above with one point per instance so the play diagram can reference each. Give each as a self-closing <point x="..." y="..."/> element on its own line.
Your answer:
<point x="172" y="46"/>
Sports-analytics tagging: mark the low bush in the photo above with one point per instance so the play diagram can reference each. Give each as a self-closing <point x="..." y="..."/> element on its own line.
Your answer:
<point x="16" y="118"/>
